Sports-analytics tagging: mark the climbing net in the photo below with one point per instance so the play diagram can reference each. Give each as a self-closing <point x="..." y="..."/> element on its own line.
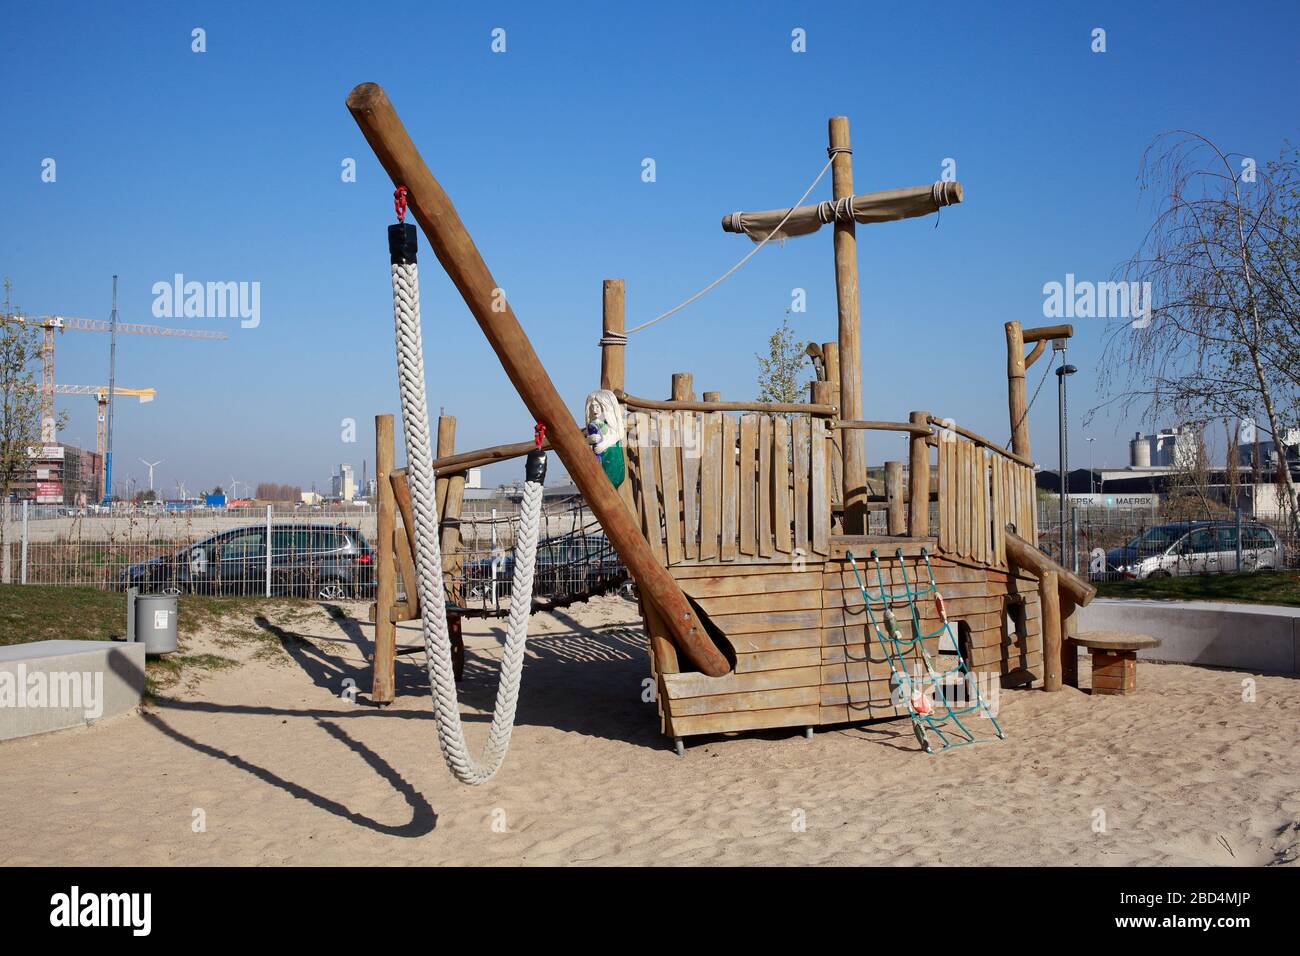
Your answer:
<point x="929" y="696"/>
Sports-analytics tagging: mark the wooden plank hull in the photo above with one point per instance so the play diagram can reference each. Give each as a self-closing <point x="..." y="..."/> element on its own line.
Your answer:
<point x="805" y="654"/>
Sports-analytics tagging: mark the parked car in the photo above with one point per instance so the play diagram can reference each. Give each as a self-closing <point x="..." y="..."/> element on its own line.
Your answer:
<point x="566" y="565"/>
<point x="1196" y="547"/>
<point x="325" y="562"/>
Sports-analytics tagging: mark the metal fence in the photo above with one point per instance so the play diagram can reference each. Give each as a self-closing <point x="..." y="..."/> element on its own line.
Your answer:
<point x="224" y="552"/>
<point x="574" y="557"/>
<point x="258" y="551"/>
<point x="327" y="556"/>
<point x="1139" y="543"/>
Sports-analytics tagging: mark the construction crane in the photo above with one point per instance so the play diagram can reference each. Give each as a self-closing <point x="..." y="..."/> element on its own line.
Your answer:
<point x="101" y="393"/>
<point x="49" y="324"/>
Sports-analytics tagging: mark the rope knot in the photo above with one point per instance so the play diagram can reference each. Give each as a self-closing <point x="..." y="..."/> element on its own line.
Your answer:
<point x="399" y="203"/>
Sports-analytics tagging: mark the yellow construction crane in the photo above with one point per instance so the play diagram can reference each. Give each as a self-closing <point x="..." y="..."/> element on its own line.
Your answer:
<point x="100" y="392"/>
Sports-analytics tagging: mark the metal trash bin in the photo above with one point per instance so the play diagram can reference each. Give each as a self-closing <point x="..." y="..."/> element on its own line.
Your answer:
<point x="155" y="622"/>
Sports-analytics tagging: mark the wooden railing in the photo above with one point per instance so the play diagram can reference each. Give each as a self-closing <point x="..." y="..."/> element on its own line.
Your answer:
<point x="980" y="493"/>
<point x="709" y="486"/>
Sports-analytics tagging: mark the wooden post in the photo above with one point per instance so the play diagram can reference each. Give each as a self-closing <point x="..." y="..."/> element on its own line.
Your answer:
<point x="918" y="480"/>
<point x="382" y="674"/>
<point x="451" y="497"/>
<point x="896" y="516"/>
<point x="1049" y="596"/>
<point x="1017" y="363"/>
<point x="683" y="387"/>
<point x="831" y="356"/>
<point x="1069" y="650"/>
<point x="464" y="265"/>
<point x="663" y="655"/>
<point x="820" y="393"/>
<point x="1016" y="406"/>
<point x="612" y="351"/>
<point x="712" y="396"/>
<point x="850" y="350"/>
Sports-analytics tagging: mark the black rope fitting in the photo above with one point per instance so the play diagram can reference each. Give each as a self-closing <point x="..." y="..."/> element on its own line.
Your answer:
<point x="535" y="467"/>
<point x="402" y="243"/>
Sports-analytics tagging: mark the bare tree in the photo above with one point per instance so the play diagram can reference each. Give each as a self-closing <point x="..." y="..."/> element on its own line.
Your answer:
<point x="1221" y="338"/>
<point x="20" y="413"/>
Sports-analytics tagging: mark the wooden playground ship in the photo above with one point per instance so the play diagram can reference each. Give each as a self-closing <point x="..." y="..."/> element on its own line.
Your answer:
<point x="742" y="522"/>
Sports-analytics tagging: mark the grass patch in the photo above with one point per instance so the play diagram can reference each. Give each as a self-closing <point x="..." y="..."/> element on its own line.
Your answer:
<point x="1267" y="587"/>
<point x="35" y="612"/>
<point x="41" y="612"/>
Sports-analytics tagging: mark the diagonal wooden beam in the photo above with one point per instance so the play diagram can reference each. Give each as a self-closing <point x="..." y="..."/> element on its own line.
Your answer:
<point x="451" y="243"/>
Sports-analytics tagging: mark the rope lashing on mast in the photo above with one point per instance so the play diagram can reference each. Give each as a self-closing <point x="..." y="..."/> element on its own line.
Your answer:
<point x="428" y="552"/>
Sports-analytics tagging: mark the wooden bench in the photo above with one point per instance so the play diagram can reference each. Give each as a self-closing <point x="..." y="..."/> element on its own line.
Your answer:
<point x="1114" y="659"/>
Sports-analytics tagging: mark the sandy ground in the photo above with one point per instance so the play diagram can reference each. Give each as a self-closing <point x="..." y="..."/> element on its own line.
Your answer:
<point x="266" y="763"/>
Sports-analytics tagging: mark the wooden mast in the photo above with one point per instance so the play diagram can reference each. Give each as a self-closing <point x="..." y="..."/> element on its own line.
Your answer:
<point x="451" y="243"/>
<point x="1017" y="363"/>
<point x="612" y="351"/>
<point x="850" y="358"/>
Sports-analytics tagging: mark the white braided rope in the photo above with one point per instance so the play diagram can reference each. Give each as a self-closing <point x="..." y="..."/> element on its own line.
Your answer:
<point x="437" y="642"/>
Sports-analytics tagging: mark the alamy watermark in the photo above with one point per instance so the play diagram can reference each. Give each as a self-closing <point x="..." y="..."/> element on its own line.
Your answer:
<point x="71" y="690"/>
<point x="1073" y="299"/>
<point x="208" y="300"/>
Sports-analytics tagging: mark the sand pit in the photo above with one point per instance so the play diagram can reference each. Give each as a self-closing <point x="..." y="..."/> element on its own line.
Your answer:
<point x="269" y="763"/>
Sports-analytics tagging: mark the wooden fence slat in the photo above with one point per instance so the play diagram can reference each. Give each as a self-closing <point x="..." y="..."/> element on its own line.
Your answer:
<point x="821" y="501"/>
<point x="781" y="465"/>
<point x="729" y="510"/>
<point x="710" y="481"/>
<point x="646" y="469"/>
<point x="996" y="461"/>
<point x="763" y="497"/>
<point x="801" y="452"/>
<point x="648" y="487"/>
<point x="963" y="501"/>
<point x="668" y="445"/>
<point x="692" y="448"/>
<point x="748" y="462"/>
<point x="945" y="496"/>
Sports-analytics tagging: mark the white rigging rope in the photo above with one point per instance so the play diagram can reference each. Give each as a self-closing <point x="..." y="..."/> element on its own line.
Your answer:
<point x="726" y="275"/>
<point x="437" y="643"/>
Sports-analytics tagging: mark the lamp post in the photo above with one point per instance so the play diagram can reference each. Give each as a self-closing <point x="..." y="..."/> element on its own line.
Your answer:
<point x="1064" y="454"/>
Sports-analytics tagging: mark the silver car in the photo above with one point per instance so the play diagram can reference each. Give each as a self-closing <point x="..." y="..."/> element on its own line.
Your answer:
<point x="1196" y="547"/>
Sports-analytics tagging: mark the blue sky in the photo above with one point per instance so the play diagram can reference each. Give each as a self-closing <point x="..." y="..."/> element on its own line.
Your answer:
<point x="225" y="166"/>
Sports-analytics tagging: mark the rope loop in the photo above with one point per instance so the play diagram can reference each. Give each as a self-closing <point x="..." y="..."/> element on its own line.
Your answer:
<point x="399" y="203"/>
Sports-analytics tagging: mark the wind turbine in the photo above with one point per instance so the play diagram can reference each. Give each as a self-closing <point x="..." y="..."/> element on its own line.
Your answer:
<point x="234" y="486"/>
<point x="151" y="465"/>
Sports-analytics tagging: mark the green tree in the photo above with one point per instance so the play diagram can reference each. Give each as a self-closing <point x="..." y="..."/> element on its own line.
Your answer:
<point x="20" y="412"/>
<point x="781" y="373"/>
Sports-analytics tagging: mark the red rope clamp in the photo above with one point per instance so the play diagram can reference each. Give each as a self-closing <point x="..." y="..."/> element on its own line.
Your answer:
<point x="399" y="203"/>
<point x="539" y="434"/>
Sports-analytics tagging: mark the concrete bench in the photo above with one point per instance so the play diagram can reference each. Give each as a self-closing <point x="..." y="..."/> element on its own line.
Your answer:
<point x="1114" y="659"/>
<point x="54" y="685"/>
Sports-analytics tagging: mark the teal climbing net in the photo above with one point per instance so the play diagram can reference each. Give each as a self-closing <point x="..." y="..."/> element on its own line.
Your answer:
<point x="930" y="696"/>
